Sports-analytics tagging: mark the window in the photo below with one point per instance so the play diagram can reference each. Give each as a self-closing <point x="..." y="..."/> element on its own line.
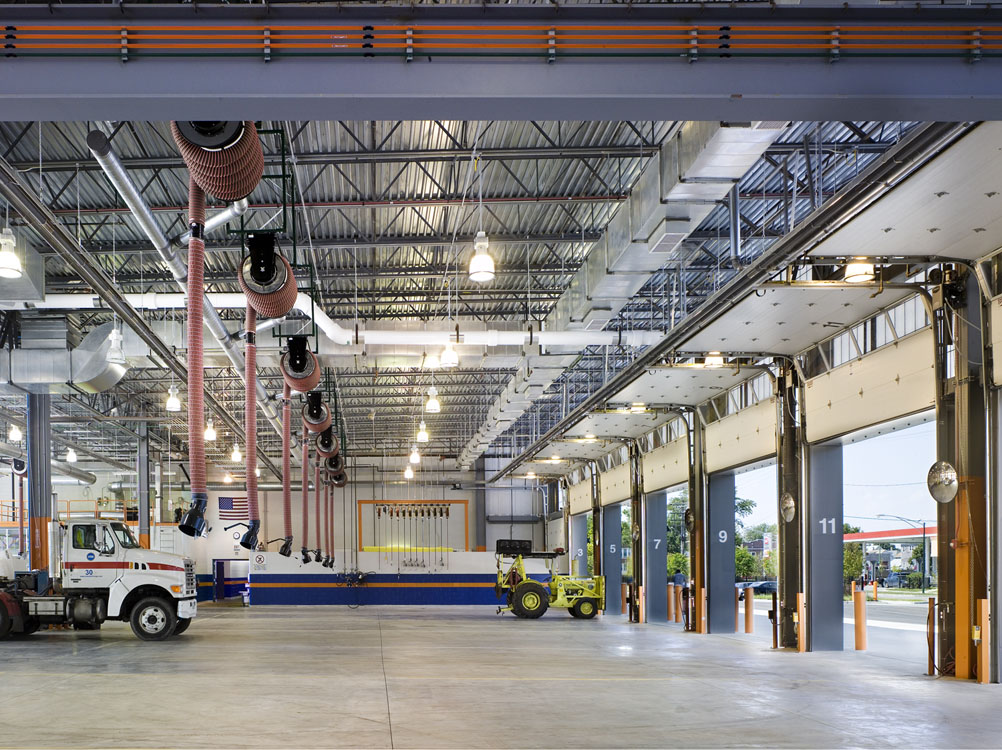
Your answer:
<point x="124" y="536"/>
<point x="84" y="536"/>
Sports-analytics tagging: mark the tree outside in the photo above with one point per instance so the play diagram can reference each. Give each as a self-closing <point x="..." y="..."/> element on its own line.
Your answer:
<point x="852" y="556"/>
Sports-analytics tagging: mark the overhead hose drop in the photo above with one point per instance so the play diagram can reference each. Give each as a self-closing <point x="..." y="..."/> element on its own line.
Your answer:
<point x="266" y="277"/>
<point x="340" y="479"/>
<point x="334" y="465"/>
<point x="306" y="497"/>
<point x="249" y="540"/>
<point x="299" y="366"/>
<point x="286" y="549"/>
<point x="225" y="160"/>
<point x="318" y="555"/>
<point x="327" y="443"/>
<point x="329" y="558"/>
<point x="316" y="414"/>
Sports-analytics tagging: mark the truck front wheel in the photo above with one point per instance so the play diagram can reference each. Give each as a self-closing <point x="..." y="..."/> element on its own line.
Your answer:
<point x="182" y="625"/>
<point x="153" y="619"/>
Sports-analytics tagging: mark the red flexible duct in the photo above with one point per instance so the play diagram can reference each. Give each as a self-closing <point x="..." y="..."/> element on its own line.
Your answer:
<point x="287" y="468"/>
<point x="327" y="522"/>
<point x="249" y="540"/>
<point x="316" y="507"/>
<point x="301" y="384"/>
<point x="272" y="304"/>
<point x="306" y="495"/>
<point x="230" y="173"/>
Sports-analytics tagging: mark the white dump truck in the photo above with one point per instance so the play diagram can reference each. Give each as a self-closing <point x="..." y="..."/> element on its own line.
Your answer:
<point x="99" y="572"/>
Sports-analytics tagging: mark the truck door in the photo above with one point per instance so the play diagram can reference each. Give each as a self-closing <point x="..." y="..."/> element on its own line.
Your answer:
<point x="92" y="557"/>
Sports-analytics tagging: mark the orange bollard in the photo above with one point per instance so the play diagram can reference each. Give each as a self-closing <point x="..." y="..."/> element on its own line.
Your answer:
<point x="859" y="618"/>
<point x="801" y="623"/>
<point x="852" y="591"/>
<point x="874" y="591"/>
<point x="983" y="650"/>
<point x="678" y="604"/>
<point x="641" y="605"/>
<point x="622" y="593"/>
<point x="671" y="602"/>
<point x="749" y="610"/>
<point x="702" y="610"/>
<point x="737" y="608"/>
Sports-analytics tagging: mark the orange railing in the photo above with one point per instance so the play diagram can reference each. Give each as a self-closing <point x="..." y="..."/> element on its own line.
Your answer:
<point x="588" y="40"/>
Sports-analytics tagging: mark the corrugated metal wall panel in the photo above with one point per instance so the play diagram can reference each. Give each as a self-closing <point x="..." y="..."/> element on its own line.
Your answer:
<point x="892" y="382"/>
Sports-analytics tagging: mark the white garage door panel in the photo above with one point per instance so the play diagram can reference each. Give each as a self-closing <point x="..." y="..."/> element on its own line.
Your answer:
<point x="995" y="321"/>
<point x="740" y="438"/>
<point x="666" y="466"/>
<point x="892" y="382"/>
<point x="615" y="484"/>
<point x="579" y="497"/>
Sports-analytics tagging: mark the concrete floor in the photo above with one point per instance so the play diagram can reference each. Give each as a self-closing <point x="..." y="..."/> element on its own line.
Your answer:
<point x="406" y="677"/>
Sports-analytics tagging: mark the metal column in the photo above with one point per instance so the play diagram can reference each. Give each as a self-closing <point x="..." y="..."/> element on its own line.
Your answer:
<point x="143" y="483"/>
<point x="578" y="544"/>
<point x="720" y="554"/>
<point x="637" y="525"/>
<point x="825" y="586"/>
<point x="39" y="478"/>
<point x="697" y="537"/>
<point x="656" y="578"/>
<point x="479" y="506"/>
<point x="612" y="557"/>
<point x="790" y="536"/>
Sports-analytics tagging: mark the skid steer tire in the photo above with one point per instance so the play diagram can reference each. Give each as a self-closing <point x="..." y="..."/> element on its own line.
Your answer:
<point x="530" y="600"/>
<point x="585" y="609"/>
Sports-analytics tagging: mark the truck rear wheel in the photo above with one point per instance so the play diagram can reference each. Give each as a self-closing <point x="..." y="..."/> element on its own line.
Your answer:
<point x="182" y="625"/>
<point x="530" y="600"/>
<point x="153" y="619"/>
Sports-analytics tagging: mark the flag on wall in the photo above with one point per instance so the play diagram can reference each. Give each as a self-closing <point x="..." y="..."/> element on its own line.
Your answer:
<point x="233" y="509"/>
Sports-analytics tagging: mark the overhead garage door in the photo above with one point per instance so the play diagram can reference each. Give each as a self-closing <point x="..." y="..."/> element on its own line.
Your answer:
<point x="740" y="438"/>
<point x="666" y="466"/>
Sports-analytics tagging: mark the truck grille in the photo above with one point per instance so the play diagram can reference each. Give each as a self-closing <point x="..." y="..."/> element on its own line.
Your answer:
<point x="189" y="577"/>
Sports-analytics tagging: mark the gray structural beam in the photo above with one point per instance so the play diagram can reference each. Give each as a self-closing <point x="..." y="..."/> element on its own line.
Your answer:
<point x="472" y="85"/>
<point x="720" y="554"/>
<point x="825" y="584"/>
<point x="656" y="556"/>
<point x="578" y="544"/>
<point x="612" y="557"/>
<point x="143" y="482"/>
<point x="40" y="511"/>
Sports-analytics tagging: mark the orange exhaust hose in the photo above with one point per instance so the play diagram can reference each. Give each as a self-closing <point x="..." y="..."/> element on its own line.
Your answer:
<point x="250" y="412"/>
<point x="196" y="382"/>
<point x="287" y="460"/>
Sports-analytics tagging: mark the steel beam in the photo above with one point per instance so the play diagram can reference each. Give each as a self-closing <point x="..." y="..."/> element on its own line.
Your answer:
<point x="143" y="483"/>
<point x="40" y="510"/>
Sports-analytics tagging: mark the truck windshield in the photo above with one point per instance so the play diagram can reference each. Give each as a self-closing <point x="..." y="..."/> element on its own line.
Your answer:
<point x="125" y="537"/>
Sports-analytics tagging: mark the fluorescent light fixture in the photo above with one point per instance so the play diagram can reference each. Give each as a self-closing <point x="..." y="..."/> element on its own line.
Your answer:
<point x="449" y="357"/>
<point x="236" y="456"/>
<point x="10" y="264"/>
<point x="859" y="271"/>
<point x="422" y="435"/>
<point x="713" y="359"/>
<point x="415" y="457"/>
<point x="531" y="475"/>
<point x="71" y="456"/>
<point x="173" y="402"/>
<point x="210" y="431"/>
<point x="408" y="473"/>
<point x="638" y="407"/>
<point x="14" y="434"/>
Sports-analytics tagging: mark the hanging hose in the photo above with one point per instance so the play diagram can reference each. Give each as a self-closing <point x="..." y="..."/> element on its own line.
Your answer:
<point x="249" y="540"/>
<point x="318" y="556"/>
<point x="224" y="159"/>
<point x="266" y="277"/>
<point x="327" y="443"/>
<point x="334" y="465"/>
<point x="193" y="522"/>
<point x="286" y="549"/>
<point x="299" y="366"/>
<point x="316" y="414"/>
<point x="340" y="479"/>
<point x="329" y="558"/>
<point x="306" y="496"/>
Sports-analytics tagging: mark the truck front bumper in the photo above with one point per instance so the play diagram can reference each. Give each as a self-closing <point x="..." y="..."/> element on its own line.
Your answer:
<point x="187" y="608"/>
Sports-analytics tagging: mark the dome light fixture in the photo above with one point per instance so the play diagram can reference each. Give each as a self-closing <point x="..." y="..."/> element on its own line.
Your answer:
<point x="422" y="434"/>
<point x="449" y="357"/>
<point x="14" y="434"/>
<point x="173" y="402"/>
<point x="415" y="457"/>
<point x="236" y="456"/>
<point x="71" y="456"/>
<point x="210" y="431"/>
<point x="859" y="271"/>
<point x="408" y="473"/>
<point x="481" y="264"/>
<point x="433" y="405"/>
<point x="227" y="478"/>
<point x="10" y="264"/>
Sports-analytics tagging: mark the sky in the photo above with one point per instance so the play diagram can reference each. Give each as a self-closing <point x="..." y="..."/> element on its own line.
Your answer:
<point x="884" y="474"/>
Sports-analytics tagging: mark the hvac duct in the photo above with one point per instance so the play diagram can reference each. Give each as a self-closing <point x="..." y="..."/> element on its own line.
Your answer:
<point x="58" y="467"/>
<point x="39" y="368"/>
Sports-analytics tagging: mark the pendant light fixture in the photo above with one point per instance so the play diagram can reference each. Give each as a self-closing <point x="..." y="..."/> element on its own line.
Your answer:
<point x="449" y="357"/>
<point x="481" y="264"/>
<point x="236" y="456"/>
<point x="116" y="355"/>
<point x="10" y="264"/>
<point x="227" y="478"/>
<point x="173" y="402"/>
<point x="431" y="361"/>
<point x="210" y="431"/>
<point x="408" y="473"/>
<point x="71" y="456"/>
<point x="422" y="434"/>
<point x="433" y="405"/>
<point x="14" y="434"/>
<point x="415" y="457"/>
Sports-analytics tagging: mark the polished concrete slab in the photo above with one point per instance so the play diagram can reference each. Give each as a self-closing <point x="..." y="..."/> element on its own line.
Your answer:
<point x="451" y="677"/>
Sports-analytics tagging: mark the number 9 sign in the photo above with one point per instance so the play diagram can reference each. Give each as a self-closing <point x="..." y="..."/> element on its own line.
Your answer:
<point x="722" y="536"/>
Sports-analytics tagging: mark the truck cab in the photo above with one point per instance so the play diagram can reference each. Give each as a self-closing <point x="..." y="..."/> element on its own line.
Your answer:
<point x="101" y="574"/>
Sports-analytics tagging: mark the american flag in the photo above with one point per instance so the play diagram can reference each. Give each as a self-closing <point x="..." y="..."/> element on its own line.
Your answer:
<point x="233" y="509"/>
